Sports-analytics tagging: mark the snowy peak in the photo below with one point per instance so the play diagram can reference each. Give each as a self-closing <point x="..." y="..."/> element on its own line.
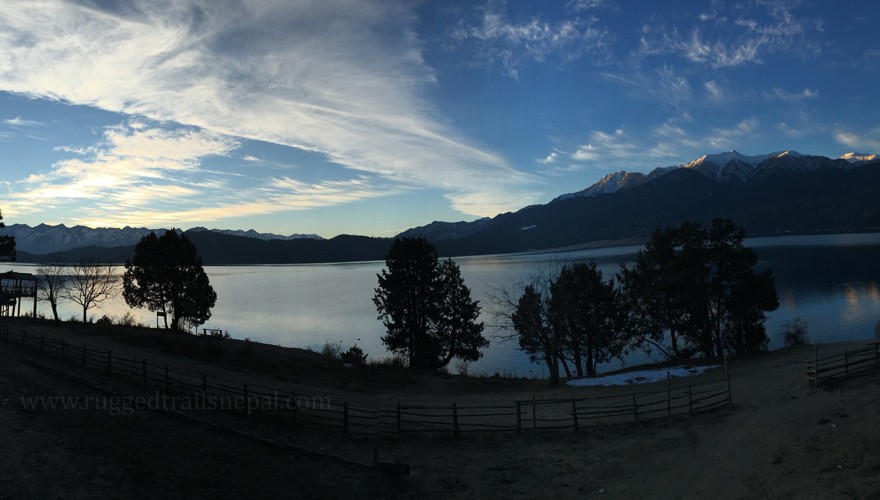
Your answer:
<point x="859" y="158"/>
<point x="611" y="183"/>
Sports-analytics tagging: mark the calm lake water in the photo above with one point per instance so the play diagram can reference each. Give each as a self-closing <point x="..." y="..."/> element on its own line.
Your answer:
<point x="831" y="281"/>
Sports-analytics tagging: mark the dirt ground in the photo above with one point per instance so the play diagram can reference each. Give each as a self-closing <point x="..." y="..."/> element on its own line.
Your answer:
<point x="781" y="439"/>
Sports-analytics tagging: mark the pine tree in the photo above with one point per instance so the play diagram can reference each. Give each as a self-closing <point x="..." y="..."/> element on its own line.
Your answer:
<point x="166" y="275"/>
<point x="426" y="308"/>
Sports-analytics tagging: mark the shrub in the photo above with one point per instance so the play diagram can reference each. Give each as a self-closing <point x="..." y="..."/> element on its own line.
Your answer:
<point x="794" y="332"/>
<point x="331" y="349"/>
<point x="127" y="319"/>
<point x="354" y="355"/>
<point x="105" y="320"/>
<point x="398" y="361"/>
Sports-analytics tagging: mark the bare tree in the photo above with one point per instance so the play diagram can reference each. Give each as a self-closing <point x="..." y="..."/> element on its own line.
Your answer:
<point x="52" y="284"/>
<point x="90" y="285"/>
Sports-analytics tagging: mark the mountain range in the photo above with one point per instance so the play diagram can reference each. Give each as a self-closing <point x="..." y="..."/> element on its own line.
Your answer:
<point x="44" y="238"/>
<point x="773" y="193"/>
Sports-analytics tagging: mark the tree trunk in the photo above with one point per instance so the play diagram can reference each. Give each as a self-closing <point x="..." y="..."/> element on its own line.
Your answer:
<point x="553" y="366"/>
<point x="564" y="366"/>
<point x="54" y="305"/>
<point x="85" y="317"/>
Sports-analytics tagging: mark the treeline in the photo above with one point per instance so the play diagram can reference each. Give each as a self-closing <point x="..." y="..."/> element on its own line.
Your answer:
<point x="692" y="291"/>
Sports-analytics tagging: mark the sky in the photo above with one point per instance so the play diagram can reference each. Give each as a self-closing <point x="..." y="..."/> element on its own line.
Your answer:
<point x="370" y="117"/>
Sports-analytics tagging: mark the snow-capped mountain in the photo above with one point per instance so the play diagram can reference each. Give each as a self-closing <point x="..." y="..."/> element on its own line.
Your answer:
<point x="727" y="167"/>
<point x="45" y="238"/>
<point x="250" y="233"/>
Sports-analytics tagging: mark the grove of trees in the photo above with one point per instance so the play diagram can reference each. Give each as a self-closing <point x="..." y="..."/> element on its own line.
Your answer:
<point x="426" y="308"/>
<point x="691" y="291"/>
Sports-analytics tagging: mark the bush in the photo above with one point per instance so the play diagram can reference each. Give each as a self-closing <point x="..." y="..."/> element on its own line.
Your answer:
<point x="331" y="349"/>
<point x="794" y="332"/>
<point x="398" y="361"/>
<point x="127" y="319"/>
<point x="105" y="320"/>
<point x="354" y="355"/>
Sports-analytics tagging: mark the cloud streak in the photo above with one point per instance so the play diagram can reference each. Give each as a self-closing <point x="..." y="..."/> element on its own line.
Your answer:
<point x="313" y="76"/>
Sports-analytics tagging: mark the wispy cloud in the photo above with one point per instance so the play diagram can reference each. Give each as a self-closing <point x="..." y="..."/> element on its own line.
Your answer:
<point x="714" y="91"/>
<point x="778" y="94"/>
<point x="612" y="149"/>
<point x="727" y="138"/>
<point x="137" y="167"/>
<point x="860" y="141"/>
<point x="343" y="79"/>
<point x="495" y="39"/>
<point x="21" y="122"/>
<point x="734" y="35"/>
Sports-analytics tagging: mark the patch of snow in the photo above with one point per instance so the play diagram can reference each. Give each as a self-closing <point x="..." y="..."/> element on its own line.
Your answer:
<point x="528" y="227"/>
<point x="640" y="377"/>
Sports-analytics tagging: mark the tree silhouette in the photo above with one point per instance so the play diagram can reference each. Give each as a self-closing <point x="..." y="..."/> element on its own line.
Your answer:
<point x="166" y="275"/>
<point x="53" y="284"/>
<point x="7" y="245"/>
<point x="426" y="308"/>
<point x="698" y="288"/>
<point x="90" y="284"/>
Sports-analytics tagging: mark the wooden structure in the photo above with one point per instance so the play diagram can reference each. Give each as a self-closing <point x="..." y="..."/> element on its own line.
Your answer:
<point x="14" y="287"/>
<point x="841" y="366"/>
<point x="365" y="418"/>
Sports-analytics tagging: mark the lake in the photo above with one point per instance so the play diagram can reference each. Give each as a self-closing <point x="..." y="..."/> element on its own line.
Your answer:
<point x="831" y="281"/>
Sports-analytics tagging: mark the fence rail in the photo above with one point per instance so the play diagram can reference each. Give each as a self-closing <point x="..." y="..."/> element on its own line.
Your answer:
<point x="849" y="363"/>
<point x="304" y="408"/>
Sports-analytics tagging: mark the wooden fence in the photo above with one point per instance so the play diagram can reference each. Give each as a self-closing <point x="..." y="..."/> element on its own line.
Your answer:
<point x="360" y="419"/>
<point x="849" y="363"/>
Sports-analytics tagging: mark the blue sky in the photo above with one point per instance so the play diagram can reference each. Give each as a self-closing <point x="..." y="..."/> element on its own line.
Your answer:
<point x="370" y="117"/>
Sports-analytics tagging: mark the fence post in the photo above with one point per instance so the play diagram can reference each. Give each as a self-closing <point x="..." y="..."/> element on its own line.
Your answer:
<point x="42" y="341"/>
<point x="144" y="370"/>
<point x="635" y="409"/>
<point x="534" y="414"/>
<point x="518" y="417"/>
<point x="398" y="418"/>
<point x="690" y="400"/>
<point x="574" y="413"/>
<point x="109" y="361"/>
<point x="455" y="419"/>
<point x="345" y="417"/>
<point x="727" y="378"/>
<point x="668" y="396"/>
